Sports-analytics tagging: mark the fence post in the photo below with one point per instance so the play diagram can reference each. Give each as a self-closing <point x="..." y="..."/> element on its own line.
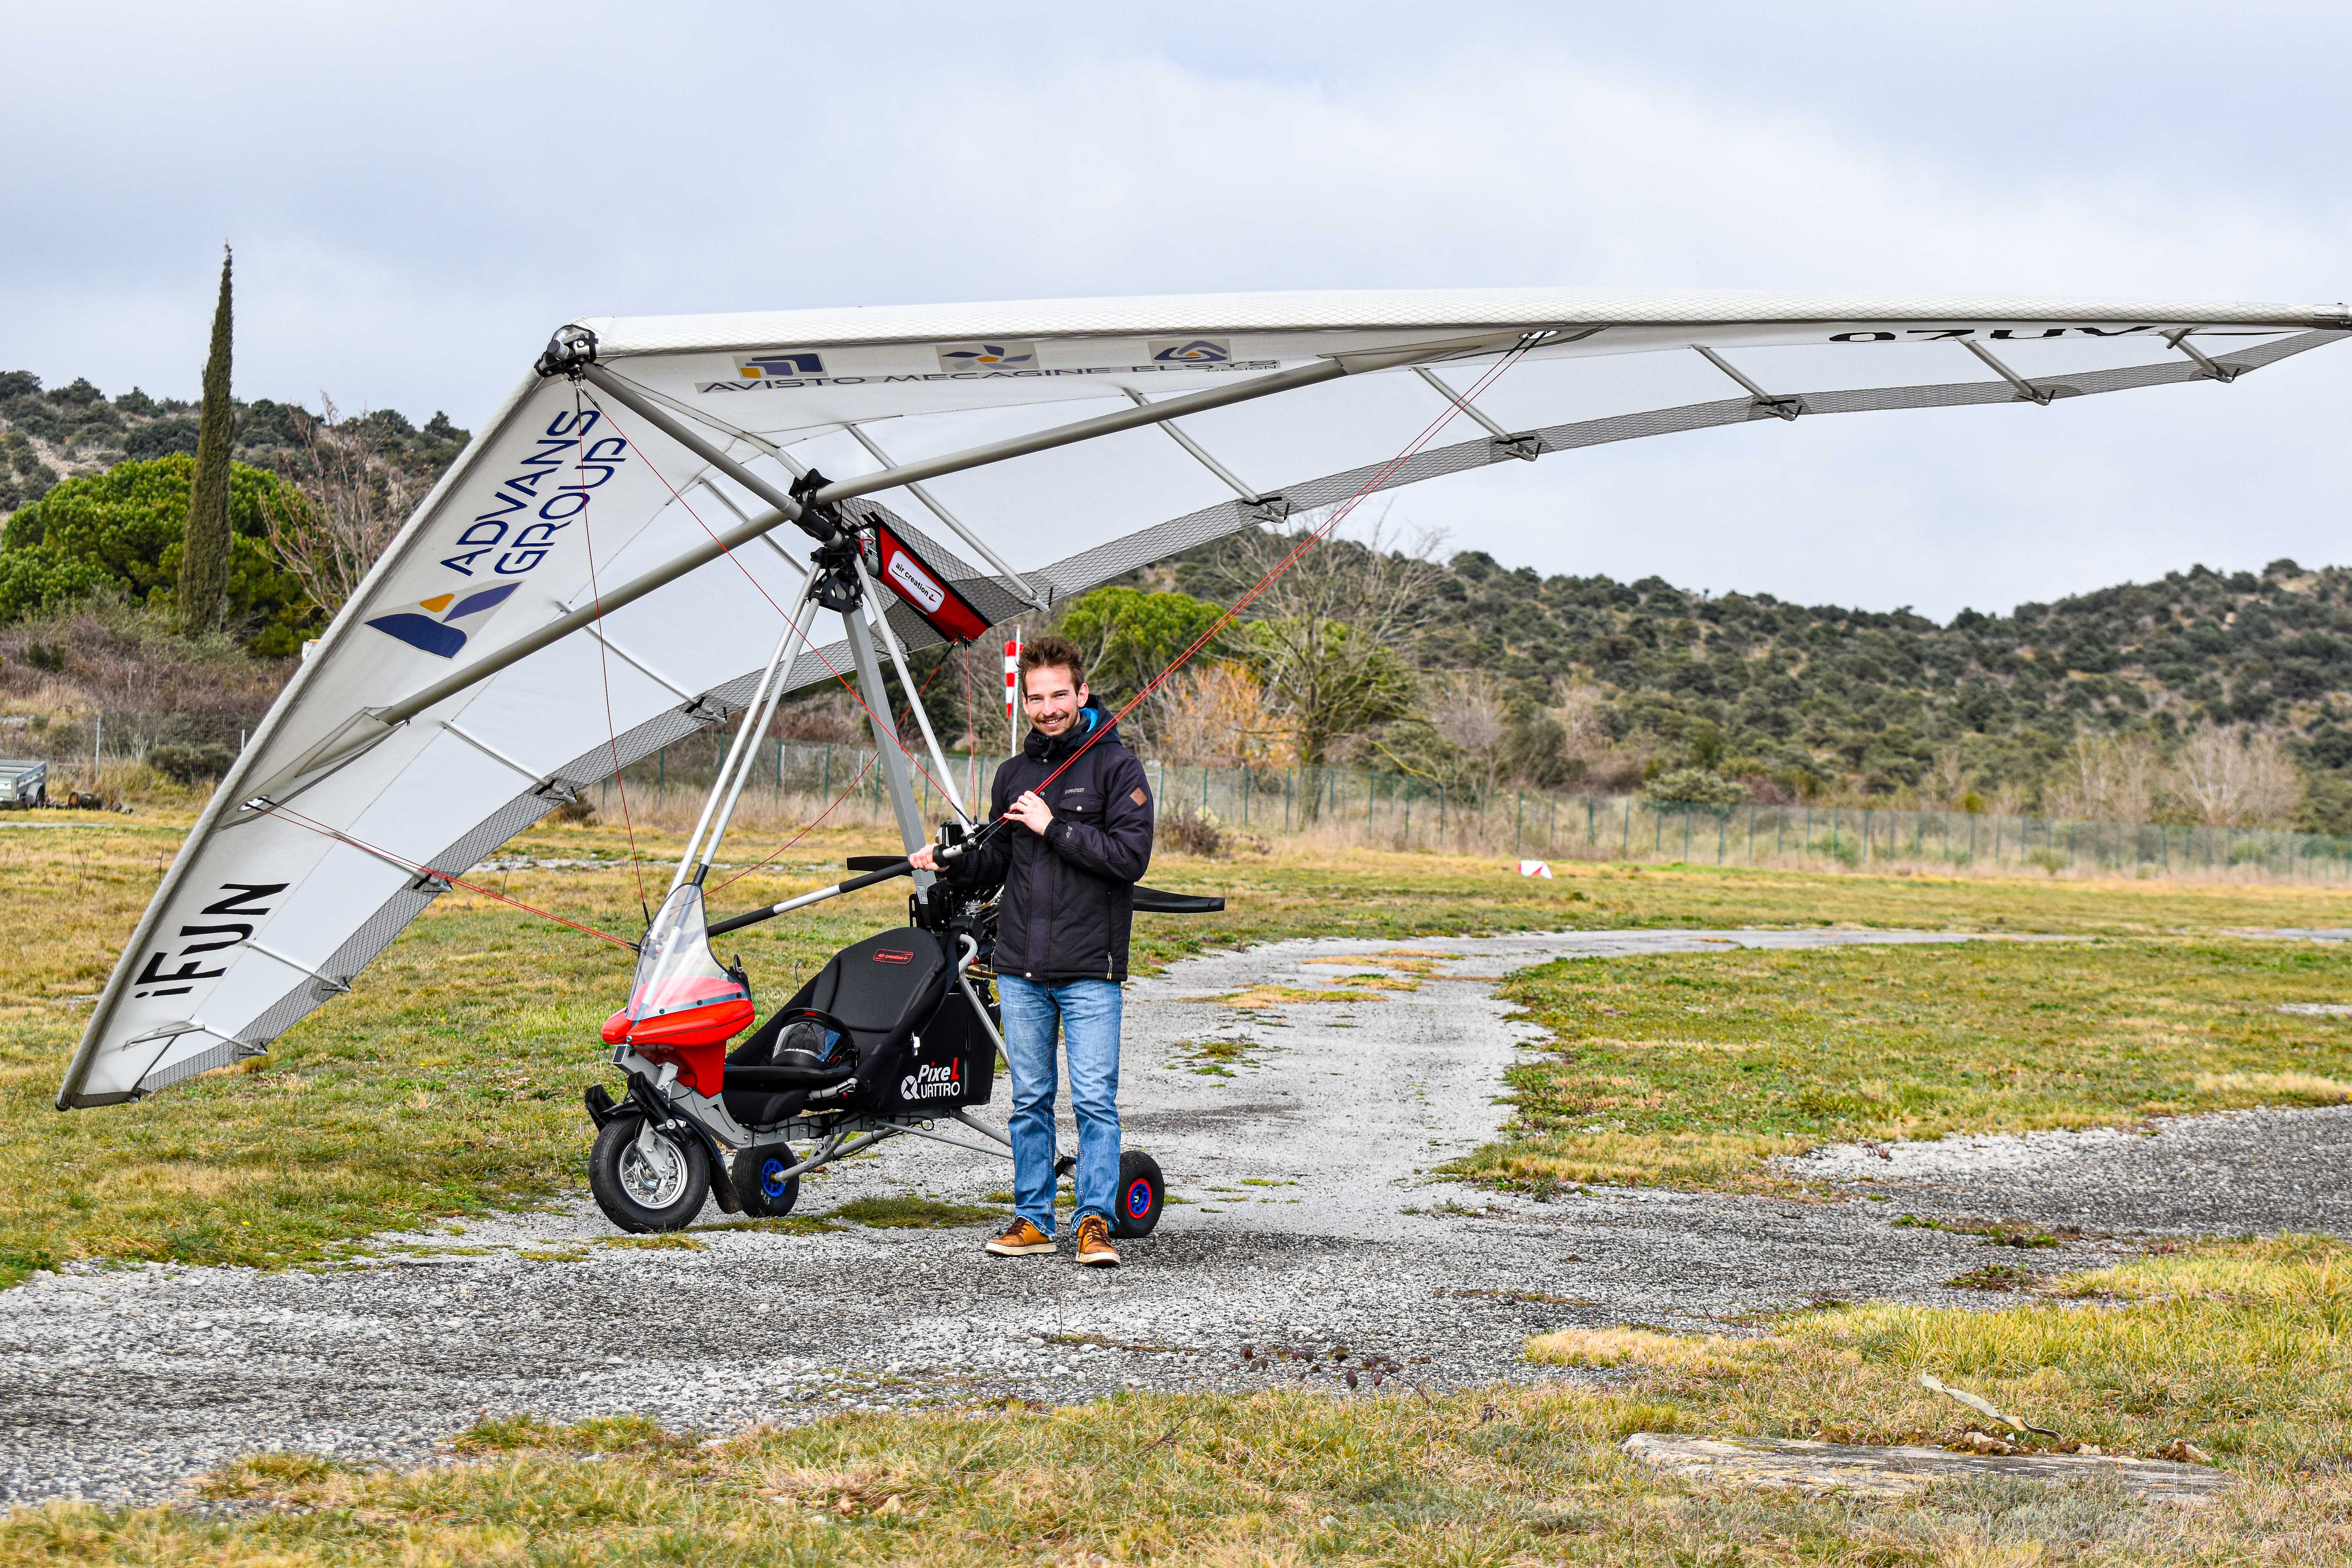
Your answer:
<point x="1626" y="839"/>
<point x="1518" y="824"/>
<point x="1286" y="800"/>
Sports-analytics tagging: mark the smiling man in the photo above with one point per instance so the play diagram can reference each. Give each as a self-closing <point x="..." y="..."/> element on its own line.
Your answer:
<point x="1068" y="870"/>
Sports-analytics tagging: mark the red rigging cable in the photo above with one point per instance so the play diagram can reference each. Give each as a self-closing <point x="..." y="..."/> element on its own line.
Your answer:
<point x="603" y="662"/>
<point x="810" y="827"/>
<point x="420" y="869"/>
<point x="761" y="590"/>
<point x="1313" y="536"/>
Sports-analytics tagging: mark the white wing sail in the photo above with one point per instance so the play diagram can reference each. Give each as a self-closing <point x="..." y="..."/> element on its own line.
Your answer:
<point x="1024" y="452"/>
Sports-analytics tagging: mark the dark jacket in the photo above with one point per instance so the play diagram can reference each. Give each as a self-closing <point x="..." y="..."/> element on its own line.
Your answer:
<point x="1066" y="906"/>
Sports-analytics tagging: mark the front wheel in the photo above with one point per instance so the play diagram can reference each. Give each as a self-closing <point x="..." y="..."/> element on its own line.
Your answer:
<point x="645" y="1180"/>
<point x="1140" y="1193"/>
<point x="760" y="1183"/>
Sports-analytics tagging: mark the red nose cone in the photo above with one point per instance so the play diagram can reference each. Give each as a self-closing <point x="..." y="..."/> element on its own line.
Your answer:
<point x="704" y="1026"/>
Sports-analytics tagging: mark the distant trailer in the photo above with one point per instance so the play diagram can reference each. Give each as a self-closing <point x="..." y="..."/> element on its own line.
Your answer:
<point x="24" y="784"/>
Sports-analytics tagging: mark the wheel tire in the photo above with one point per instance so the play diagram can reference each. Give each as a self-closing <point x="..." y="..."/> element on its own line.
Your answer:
<point x="1141" y="1194"/>
<point x="763" y="1197"/>
<point x="640" y="1197"/>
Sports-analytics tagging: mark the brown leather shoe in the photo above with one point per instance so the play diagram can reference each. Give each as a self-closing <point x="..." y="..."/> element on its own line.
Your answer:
<point x="1020" y="1238"/>
<point x="1095" y="1250"/>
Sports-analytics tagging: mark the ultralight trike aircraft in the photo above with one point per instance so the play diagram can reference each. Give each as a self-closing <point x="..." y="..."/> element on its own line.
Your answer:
<point x="591" y="580"/>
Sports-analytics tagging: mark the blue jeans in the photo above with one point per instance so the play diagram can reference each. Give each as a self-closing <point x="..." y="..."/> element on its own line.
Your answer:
<point x="1088" y="1011"/>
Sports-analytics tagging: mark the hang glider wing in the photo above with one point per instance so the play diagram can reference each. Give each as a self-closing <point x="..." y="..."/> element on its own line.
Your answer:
<point x="561" y="605"/>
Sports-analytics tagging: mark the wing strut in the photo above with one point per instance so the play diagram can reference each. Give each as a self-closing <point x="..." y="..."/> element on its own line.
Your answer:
<point x="917" y="488"/>
<point x="1785" y="407"/>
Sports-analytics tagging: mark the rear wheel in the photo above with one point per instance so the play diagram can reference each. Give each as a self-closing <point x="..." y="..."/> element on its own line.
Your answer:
<point x="1141" y="1194"/>
<point x="645" y="1180"/>
<point x="759" y="1181"/>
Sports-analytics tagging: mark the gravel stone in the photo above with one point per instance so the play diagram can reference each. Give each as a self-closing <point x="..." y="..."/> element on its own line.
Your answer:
<point x="1310" y="1238"/>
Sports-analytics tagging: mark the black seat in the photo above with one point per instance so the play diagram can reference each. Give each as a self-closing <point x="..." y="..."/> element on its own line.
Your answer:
<point x="881" y="990"/>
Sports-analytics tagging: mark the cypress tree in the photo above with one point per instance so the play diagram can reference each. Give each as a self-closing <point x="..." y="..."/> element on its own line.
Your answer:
<point x="204" y="555"/>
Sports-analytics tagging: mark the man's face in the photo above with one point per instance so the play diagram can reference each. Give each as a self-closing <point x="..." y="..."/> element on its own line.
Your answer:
<point x="1052" y="698"/>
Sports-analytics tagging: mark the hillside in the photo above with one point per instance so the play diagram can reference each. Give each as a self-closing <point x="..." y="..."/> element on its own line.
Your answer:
<point x="46" y="436"/>
<point x="1611" y="682"/>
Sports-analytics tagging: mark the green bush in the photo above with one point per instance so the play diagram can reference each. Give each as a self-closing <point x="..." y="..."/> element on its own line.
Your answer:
<point x="1696" y="787"/>
<point x="121" y="531"/>
<point x="189" y="764"/>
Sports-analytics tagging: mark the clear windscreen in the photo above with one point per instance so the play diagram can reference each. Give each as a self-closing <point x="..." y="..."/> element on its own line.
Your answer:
<point x="676" y="968"/>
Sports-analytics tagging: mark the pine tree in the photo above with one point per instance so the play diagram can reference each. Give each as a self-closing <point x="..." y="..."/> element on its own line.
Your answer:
<point x="204" y="555"/>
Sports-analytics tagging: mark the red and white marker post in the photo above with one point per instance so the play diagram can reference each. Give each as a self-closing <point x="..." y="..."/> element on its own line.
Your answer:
<point x="1012" y="692"/>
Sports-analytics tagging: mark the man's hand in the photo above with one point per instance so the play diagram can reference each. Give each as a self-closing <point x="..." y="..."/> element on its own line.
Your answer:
<point x="924" y="859"/>
<point x="1032" y="812"/>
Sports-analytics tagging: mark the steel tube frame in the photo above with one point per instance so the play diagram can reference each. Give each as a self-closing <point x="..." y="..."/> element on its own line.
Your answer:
<point x="744" y="754"/>
<point x="881" y="614"/>
<point x="886" y="744"/>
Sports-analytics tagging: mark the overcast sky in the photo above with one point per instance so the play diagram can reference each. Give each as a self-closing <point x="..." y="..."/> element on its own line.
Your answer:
<point x="419" y="193"/>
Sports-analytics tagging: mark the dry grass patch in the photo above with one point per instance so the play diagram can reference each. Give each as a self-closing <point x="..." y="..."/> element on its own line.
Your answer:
<point x="1707" y="1354"/>
<point x="1283" y="995"/>
<point x="1693" y="1069"/>
<point x="2289" y="1087"/>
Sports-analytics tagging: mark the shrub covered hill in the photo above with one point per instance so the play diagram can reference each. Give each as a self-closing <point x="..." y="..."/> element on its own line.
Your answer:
<point x="2161" y="700"/>
<point x="46" y="436"/>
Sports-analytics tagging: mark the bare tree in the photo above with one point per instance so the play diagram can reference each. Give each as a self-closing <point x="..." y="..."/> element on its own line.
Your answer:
<point x="2107" y="779"/>
<point x="1327" y="634"/>
<point x="2237" y="777"/>
<point x="1215" y="715"/>
<point x="350" y="504"/>
<point x="1465" y="707"/>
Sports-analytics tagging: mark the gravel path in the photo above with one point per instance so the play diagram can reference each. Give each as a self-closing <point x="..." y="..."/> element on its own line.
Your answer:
<point x="1301" y="1147"/>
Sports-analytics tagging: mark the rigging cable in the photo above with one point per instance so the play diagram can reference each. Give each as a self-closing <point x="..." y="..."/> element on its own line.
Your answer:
<point x="604" y="659"/>
<point x="761" y="589"/>
<point x="421" y="869"/>
<point x="1313" y="537"/>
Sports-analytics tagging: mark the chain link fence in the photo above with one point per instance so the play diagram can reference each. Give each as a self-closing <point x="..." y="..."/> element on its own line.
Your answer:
<point x="1340" y="807"/>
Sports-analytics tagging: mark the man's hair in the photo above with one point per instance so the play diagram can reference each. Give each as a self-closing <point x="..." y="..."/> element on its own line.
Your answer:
<point x="1052" y="653"/>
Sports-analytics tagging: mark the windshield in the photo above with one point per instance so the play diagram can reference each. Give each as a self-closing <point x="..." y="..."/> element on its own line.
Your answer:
<point x="676" y="970"/>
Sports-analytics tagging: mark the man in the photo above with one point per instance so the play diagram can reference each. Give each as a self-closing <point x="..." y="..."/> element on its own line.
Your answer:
<point x="1068" y="866"/>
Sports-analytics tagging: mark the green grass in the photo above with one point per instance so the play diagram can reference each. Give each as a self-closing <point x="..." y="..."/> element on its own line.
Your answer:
<point x="1691" y="1069"/>
<point x="449" y="1082"/>
<point x="2240" y="1350"/>
<point x="908" y="1212"/>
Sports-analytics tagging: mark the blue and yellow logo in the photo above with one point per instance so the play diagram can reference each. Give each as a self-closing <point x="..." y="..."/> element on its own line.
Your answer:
<point x="763" y="367"/>
<point x="432" y="632"/>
